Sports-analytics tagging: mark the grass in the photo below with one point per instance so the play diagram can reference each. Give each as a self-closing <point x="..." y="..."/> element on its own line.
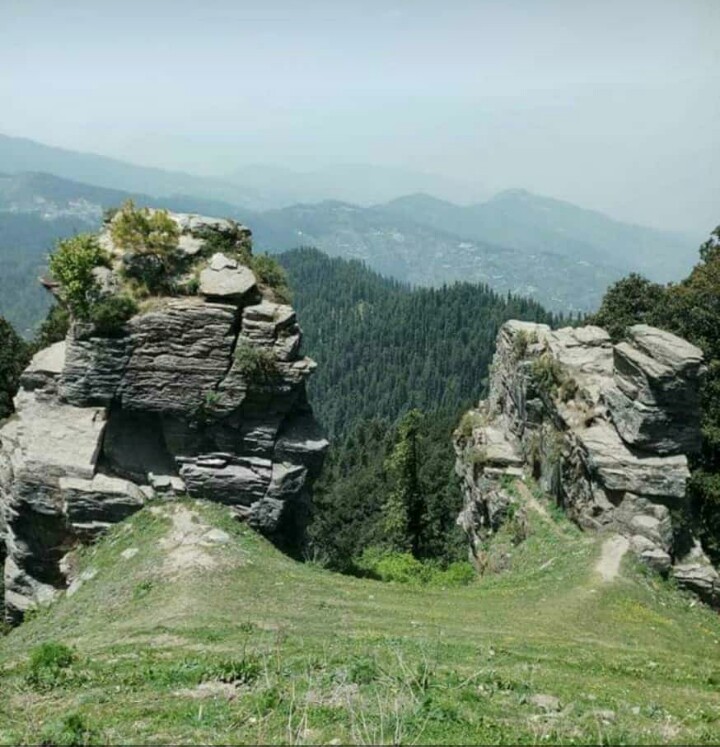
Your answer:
<point x="260" y="649"/>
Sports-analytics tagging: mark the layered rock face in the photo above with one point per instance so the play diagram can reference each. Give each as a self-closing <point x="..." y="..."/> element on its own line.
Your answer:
<point x="604" y="428"/>
<point x="201" y="395"/>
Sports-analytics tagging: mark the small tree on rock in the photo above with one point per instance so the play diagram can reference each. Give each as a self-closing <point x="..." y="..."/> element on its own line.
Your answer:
<point x="144" y="232"/>
<point x="72" y="265"/>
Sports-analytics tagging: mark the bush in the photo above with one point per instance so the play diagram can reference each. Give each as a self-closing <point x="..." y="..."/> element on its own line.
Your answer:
<point x="72" y="265"/>
<point x="551" y="379"/>
<point x="149" y="273"/>
<point x="469" y="421"/>
<point x="238" y="671"/>
<point x="71" y="731"/>
<point x="400" y="567"/>
<point x="459" y="573"/>
<point x="144" y="232"/>
<point x="48" y="664"/>
<point x="632" y="300"/>
<point x="225" y="244"/>
<point x="270" y="273"/>
<point x="14" y="356"/>
<point x="254" y="362"/>
<point x="521" y="342"/>
<point x="110" y="314"/>
<point x="403" y="568"/>
<point x="192" y="286"/>
<point x="53" y="329"/>
<point x="150" y="239"/>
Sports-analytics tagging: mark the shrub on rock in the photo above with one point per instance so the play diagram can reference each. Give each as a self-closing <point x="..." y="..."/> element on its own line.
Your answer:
<point x="72" y="265"/>
<point x="110" y="314"/>
<point x="150" y="240"/>
<point x="141" y="231"/>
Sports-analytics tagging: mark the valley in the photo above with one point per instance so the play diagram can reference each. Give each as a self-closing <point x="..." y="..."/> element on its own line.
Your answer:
<point x="516" y="242"/>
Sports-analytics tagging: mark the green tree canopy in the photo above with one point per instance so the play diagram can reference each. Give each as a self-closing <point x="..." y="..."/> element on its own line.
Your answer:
<point x="72" y="264"/>
<point x="14" y="356"/>
<point x="632" y="300"/>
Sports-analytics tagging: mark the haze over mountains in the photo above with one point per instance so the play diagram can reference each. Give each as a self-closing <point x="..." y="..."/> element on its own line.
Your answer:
<point x="558" y="253"/>
<point x="255" y="186"/>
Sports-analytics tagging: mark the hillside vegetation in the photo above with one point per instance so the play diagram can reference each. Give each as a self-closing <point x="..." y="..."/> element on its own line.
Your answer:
<point x="384" y="348"/>
<point x="187" y="628"/>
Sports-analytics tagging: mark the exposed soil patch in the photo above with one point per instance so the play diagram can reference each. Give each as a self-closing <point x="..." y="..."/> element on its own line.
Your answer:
<point x="613" y="551"/>
<point x="187" y="544"/>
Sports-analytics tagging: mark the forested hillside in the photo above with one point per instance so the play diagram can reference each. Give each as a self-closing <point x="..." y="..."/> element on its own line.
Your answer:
<point x="397" y="366"/>
<point x="384" y="348"/>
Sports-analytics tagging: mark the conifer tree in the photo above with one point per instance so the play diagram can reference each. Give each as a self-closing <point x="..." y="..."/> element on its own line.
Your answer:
<point x="403" y="511"/>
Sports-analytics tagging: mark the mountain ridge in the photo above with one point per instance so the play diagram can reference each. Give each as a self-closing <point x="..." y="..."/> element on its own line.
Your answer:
<point x="523" y="220"/>
<point x="558" y="253"/>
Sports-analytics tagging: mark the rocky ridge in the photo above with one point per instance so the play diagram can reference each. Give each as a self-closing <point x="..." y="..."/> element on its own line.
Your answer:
<point x="196" y="394"/>
<point x="605" y="429"/>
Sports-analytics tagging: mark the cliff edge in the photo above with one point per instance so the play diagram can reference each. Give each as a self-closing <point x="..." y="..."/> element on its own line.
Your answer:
<point x="200" y="392"/>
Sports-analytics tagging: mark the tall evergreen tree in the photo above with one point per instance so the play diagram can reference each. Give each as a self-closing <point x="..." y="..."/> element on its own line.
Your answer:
<point x="404" y="509"/>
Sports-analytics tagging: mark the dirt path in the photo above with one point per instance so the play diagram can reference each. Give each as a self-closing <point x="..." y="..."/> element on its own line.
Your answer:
<point x="613" y="551"/>
<point x="187" y="543"/>
<point x="613" y="548"/>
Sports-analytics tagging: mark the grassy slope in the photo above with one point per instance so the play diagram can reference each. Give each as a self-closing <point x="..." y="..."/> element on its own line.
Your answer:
<point x="327" y="658"/>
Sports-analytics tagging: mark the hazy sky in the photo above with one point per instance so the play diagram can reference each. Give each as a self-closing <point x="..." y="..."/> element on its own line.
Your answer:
<point x="612" y="104"/>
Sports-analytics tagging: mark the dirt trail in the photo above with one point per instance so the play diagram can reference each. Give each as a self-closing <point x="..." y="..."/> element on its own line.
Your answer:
<point x="613" y="551"/>
<point x="187" y="542"/>
<point x="613" y="548"/>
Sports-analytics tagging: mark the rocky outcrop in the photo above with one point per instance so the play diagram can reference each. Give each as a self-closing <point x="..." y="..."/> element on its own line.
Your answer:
<point x="196" y="394"/>
<point x="606" y="429"/>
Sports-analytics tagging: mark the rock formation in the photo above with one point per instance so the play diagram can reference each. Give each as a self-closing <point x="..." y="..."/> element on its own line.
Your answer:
<point x="606" y="429"/>
<point x="196" y="394"/>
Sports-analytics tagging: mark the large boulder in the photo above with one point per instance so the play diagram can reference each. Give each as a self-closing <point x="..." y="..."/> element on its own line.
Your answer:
<point x="694" y="571"/>
<point x="225" y="278"/>
<point x="655" y="400"/>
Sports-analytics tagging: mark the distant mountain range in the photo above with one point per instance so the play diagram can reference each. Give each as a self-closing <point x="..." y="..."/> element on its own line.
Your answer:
<point x="359" y="184"/>
<point x="556" y="252"/>
<point x="19" y="155"/>
<point x="528" y="222"/>
<point x="254" y="187"/>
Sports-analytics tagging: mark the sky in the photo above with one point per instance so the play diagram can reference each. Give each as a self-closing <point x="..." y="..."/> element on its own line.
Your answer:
<point x="610" y="104"/>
